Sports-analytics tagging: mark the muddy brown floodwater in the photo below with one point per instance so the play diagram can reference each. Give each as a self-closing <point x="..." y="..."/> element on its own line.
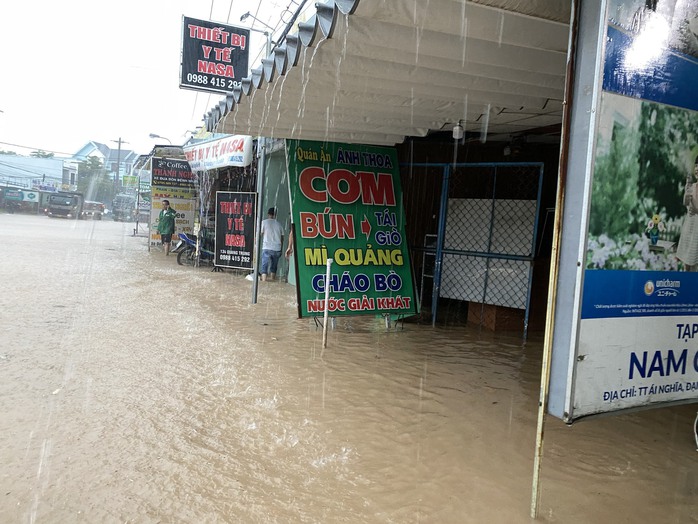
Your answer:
<point x="137" y="390"/>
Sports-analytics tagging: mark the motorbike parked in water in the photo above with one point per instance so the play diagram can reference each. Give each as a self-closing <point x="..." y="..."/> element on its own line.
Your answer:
<point x="186" y="250"/>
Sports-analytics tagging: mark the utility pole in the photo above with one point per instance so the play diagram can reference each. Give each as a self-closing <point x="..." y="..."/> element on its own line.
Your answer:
<point x="118" y="165"/>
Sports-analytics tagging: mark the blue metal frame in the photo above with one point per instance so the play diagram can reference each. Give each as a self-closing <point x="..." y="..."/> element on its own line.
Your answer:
<point x="441" y="233"/>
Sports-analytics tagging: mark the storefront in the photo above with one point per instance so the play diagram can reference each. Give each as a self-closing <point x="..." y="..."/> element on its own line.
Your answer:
<point x="231" y="165"/>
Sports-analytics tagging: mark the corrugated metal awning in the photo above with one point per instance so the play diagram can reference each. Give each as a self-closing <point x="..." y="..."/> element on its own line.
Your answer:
<point x="376" y="72"/>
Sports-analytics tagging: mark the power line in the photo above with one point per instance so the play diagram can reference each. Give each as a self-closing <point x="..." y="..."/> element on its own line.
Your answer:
<point x="37" y="149"/>
<point x="17" y="168"/>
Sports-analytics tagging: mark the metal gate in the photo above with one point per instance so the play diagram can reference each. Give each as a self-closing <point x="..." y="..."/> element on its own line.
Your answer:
<point x="482" y="252"/>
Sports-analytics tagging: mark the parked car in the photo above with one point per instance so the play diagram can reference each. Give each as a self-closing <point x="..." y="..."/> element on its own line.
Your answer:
<point x="92" y="210"/>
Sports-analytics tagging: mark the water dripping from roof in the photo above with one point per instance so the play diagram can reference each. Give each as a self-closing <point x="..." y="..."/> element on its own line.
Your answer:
<point x="250" y="104"/>
<point x="235" y="118"/>
<point x="301" y="110"/>
<point x="412" y="106"/>
<point x="278" y="187"/>
<point x="304" y="71"/>
<point x="485" y="123"/>
<point x="464" y="38"/>
<point x="338" y="79"/>
<point x="281" y="97"/>
<point x="465" y="108"/>
<point x="266" y="110"/>
<point x="346" y="33"/>
<point x="411" y="165"/>
<point x="328" y="119"/>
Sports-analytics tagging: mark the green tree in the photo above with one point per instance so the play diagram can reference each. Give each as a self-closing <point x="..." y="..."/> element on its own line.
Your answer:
<point x="89" y="168"/>
<point x="614" y="190"/>
<point x="3" y="152"/>
<point x="93" y="181"/>
<point x="665" y="156"/>
<point x="41" y="154"/>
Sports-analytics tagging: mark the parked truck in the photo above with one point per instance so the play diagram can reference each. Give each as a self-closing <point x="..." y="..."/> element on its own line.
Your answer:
<point x="124" y="207"/>
<point x="65" y="204"/>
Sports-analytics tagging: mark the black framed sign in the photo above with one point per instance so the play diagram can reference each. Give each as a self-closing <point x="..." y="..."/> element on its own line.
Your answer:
<point x="214" y="56"/>
<point x="235" y="226"/>
<point x="172" y="172"/>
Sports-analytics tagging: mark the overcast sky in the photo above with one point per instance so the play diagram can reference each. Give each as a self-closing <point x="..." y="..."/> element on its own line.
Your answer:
<point x="78" y="70"/>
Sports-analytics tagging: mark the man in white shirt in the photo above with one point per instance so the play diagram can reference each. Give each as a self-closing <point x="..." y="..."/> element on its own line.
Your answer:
<point x="272" y="242"/>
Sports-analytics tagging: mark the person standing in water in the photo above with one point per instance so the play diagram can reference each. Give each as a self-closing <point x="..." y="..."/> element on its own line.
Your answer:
<point x="272" y="243"/>
<point x="166" y="225"/>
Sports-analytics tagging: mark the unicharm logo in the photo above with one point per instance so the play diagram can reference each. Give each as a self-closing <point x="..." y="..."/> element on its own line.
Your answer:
<point x="668" y="283"/>
<point x="649" y="288"/>
<point x="662" y="288"/>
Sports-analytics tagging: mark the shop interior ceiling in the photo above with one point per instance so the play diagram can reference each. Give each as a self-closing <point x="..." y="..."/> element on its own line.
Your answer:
<point x="378" y="71"/>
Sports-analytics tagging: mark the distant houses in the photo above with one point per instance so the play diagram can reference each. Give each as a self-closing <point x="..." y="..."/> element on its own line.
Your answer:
<point x="27" y="181"/>
<point x="117" y="160"/>
<point x="61" y="173"/>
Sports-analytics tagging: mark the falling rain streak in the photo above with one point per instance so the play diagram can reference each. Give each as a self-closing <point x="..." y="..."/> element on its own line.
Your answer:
<point x="485" y="123"/>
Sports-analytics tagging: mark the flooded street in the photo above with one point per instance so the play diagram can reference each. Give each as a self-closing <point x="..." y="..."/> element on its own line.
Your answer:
<point x="137" y="390"/>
